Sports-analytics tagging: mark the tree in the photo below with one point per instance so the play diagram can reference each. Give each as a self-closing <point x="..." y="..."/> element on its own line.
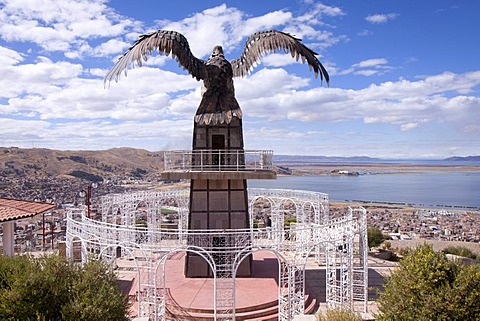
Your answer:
<point x="426" y="286"/>
<point x="374" y="237"/>
<point x="52" y="288"/>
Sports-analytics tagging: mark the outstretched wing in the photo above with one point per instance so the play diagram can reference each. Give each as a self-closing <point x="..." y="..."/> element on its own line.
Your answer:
<point x="166" y="42"/>
<point x="263" y="42"/>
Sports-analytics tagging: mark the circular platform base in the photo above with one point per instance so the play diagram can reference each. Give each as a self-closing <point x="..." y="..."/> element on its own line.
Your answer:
<point x="256" y="297"/>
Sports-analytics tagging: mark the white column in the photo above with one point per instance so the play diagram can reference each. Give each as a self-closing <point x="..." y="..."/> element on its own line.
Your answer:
<point x="8" y="238"/>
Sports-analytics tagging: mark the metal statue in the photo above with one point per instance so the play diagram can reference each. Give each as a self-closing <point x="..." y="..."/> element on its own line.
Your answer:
<point x="218" y="103"/>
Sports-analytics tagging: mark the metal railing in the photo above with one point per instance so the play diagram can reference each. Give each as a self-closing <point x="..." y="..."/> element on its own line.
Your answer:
<point x="218" y="160"/>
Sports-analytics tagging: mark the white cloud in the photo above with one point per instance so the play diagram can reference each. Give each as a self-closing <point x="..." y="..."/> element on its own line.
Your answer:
<point x="472" y="129"/>
<point x="279" y="60"/>
<point x="369" y="67"/>
<point x="14" y="132"/>
<point x="364" y="33"/>
<point x="111" y="47"/>
<point x="408" y="126"/>
<point x="59" y="104"/>
<point x="317" y="11"/>
<point x="42" y="77"/>
<point x="381" y="18"/>
<point x="371" y="63"/>
<point x="54" y="91"/>
<point x="9" y="57"/>
<point x="265" y="22"/>
<point x="366" y="72"/>
<point x="208" y="28"/>
<point x="226" y="26"/>
<point x="404" y="104"/>
<point x="96" y="134"/>
<point x="60" y="25"/>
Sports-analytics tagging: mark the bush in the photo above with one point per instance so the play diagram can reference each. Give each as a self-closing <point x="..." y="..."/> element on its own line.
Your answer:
<point x="167" y="211"/>
<point x="96" y="295"/>
<point x="426" y="286"/>
<point x="33" y="287"/>
<point x="339" y="315"/>
<point x="288" y="221"/>
<point x="374" y="237"/>
<point x="460" y="251"/>
<point x="86" y="176"/>
<point x="52" y="288"/>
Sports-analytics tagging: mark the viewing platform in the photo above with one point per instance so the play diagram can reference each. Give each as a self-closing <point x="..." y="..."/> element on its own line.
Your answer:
<point x="219" y="164"/>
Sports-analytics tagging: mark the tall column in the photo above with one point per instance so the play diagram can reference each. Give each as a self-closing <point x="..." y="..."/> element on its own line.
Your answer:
<point x="218" y="219"/>
<point x="218" y="201"/>
<point x="8" y="238"/>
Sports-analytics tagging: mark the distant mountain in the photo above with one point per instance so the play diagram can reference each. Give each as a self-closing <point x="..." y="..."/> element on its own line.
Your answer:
<point x="129" y="163"/>
<point x="278" y="159"/>
<point x="90" y="165"/>
<point x="463" y="159"/>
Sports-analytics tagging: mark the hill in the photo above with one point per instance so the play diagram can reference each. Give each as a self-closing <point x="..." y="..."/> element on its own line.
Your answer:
<point x="297" y="159"/>
<point x="467" y="158"/>
<point x="90" y="165"/>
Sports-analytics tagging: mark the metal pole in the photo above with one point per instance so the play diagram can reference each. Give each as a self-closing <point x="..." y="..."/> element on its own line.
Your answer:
<point x="52" y="223"/>
<point x="89" y="190"/>
<point x="43" y="230"/>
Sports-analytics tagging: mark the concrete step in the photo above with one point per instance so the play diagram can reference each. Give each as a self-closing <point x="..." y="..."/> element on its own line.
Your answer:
<point x="262" y="312"/>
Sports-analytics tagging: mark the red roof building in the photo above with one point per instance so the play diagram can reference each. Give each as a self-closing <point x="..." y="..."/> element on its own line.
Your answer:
<point x="11" y="210"/>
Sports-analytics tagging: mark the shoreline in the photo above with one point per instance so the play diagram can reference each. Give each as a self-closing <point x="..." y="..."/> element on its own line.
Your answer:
<point x="333" y="169"/>
<point x="363" y="203"/>
<point x="372" y="168"/>
<point x="403" y="206"/>
<point x="356" y="169"/>
<point x="423" y="224"/>
<point x="439" y="207"/>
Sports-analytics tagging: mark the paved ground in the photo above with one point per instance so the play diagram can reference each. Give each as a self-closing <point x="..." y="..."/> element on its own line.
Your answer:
<point x="263" y="287"/>
<point x="197" y="293"/>
<point x="378" y="269"/>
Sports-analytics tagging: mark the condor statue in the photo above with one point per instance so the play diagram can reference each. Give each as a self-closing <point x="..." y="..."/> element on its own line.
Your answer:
<point x="218" y="103"/>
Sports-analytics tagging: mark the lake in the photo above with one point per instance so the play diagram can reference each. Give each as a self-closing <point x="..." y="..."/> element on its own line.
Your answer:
<point x="425" y="188"/>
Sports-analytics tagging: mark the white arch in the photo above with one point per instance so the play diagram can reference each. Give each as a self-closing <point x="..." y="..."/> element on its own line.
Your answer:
<point x="317" y="236"/>
<point x="192" y="249"/>
<point x="132" y="255"/>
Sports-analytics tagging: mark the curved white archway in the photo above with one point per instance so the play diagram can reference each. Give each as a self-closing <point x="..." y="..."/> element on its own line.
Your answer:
<point x="332" y="242"/>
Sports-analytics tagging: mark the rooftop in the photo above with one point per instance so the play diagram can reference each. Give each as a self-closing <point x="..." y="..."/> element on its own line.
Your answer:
<point x="11" y="209"/>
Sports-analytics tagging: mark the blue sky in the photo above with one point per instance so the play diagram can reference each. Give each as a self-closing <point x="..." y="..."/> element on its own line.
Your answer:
<point x="404" y="76"/>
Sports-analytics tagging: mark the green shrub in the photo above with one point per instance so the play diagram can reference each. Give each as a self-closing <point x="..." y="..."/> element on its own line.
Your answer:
<point x="374" y="237"/>
<point x="289" y="220"/>
<point x="460" y="251"/>
<point x="426" y="286"/>
<point x="339" y="315"/>
<point x="167" y="211"/>
<point x="52" y="288"/>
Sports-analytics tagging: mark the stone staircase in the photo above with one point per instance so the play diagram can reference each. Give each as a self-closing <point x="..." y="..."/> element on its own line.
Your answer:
<point x="256" y="312"/>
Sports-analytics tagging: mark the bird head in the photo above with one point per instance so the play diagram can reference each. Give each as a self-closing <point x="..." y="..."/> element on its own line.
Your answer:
<point x="217" y="51"/>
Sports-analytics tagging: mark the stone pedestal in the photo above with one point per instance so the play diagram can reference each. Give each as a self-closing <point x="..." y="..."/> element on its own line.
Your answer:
<point x="218" y="222"/>
<point x="218" y="205"/>
<point x="218" y="202"/>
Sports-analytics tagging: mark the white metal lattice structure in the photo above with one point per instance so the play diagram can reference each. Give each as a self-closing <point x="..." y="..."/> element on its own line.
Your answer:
<point x="339" y="245"/>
